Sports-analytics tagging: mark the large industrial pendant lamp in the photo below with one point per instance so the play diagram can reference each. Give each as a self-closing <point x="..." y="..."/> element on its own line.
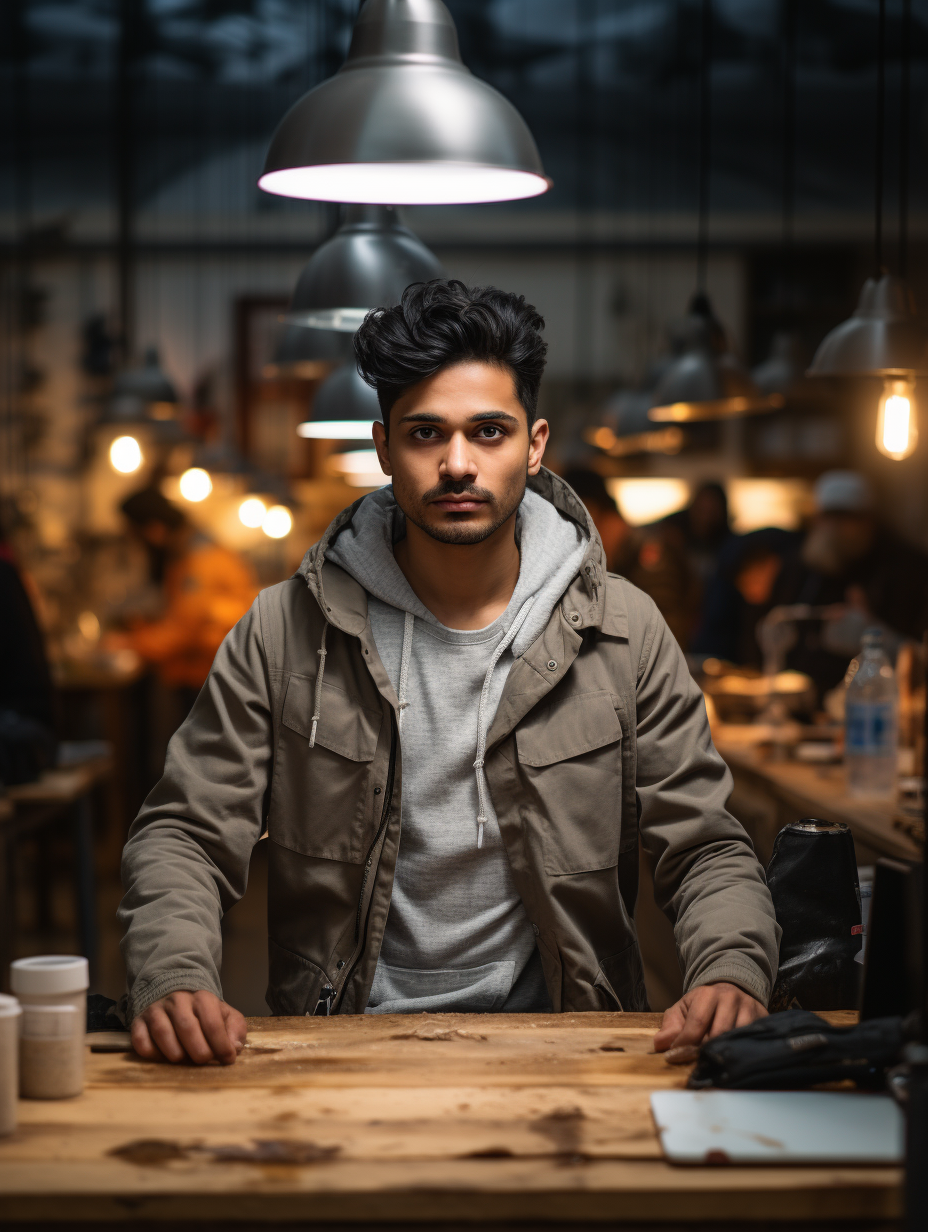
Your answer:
<point x="403" y="121"/>
<point x="368" y="263"/>
<point x="307" y="354"/>
<point x="884" y="338"/>
<point x="345" y="408"/>
<point x="705" y="380"/>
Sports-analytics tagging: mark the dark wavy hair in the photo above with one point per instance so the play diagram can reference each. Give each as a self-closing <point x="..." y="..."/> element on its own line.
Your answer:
<point x="443" y="322"/>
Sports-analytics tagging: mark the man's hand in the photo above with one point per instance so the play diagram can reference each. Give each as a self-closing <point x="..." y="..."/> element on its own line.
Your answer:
<point x="189" y="1024"/>
<point x="702" y="1014"/>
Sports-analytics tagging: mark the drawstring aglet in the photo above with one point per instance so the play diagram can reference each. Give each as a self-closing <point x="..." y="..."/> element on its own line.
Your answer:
<point x="480" y="825"/>
<point x="312" y="732"/>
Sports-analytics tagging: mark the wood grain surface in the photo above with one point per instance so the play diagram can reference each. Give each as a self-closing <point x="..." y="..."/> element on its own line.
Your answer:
<point x="426" y="1117"/>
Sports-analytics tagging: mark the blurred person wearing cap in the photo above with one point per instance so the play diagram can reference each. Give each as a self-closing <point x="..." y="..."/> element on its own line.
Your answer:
<point x="207" y="589"/>
<point x="852" y="563"/>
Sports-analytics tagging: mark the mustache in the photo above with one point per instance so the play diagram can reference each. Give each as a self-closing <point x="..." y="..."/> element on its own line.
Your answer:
<point x="458" y="487"/>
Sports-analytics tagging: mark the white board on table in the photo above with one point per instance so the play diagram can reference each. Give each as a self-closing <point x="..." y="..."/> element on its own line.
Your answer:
<point x="756" y="1127"/>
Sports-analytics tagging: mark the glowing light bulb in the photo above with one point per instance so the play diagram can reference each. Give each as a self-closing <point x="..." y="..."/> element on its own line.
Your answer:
<point x="195" y="484"/>
<point x="125" y="455"/>
<point x="277" y="522"/>
<point x="896" y="424"/>
<point x="252" y="511"/>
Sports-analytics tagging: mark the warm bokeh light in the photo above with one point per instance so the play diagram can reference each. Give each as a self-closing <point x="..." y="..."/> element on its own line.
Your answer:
<point x="896" y="424"/>
<point x="756" y="503"/>
<point x="89" y="626"/>
<point x="336" y="429"/>
<point x="641" y="501"/>
<point x="195" y="484"/>
<point x="125" y="455"/>
<point x="360" y="468"/>
<point x="412" y="183"/>
<point x="278" y="522"/>
<point x="251" y="511"/>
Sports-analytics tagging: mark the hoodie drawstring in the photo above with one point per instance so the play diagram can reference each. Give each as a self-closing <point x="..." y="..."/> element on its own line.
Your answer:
<point x="481" y="716"/>
<point x="317" y="700"/>
<point x="402" y="703"/>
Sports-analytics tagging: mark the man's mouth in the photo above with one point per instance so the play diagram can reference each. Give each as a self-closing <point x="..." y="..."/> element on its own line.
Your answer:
<point x="458" y="504"/>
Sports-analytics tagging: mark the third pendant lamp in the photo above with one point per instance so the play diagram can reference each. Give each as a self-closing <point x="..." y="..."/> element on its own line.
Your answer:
<point x="368" y="263"/>
<point x="403" y="121"/>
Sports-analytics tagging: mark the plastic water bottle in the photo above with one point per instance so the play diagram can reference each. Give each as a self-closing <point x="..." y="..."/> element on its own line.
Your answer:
<point x="871" y="721"/>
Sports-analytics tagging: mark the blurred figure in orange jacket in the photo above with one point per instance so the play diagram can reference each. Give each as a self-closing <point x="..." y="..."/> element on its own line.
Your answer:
<point x="207" y="588"/>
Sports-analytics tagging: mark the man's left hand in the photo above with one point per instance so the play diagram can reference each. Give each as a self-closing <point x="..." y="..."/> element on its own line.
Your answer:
<point x="702" y="1014"/>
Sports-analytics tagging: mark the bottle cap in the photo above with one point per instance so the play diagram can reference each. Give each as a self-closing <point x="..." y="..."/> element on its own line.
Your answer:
<point x="50" y="973"/>
<point x="9" y="1007"/>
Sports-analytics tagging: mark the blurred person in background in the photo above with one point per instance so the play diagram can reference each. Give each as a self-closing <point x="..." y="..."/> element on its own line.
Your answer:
<point x="701" y="530"/>
<point x="27" y="711"/>
<point x="854" y="564"/>
<point x="740" y="594"/>
<point x="207" y="589"/>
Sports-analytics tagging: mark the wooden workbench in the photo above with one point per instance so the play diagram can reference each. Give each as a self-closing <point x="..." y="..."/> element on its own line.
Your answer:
<point x="769" y="794"/>
<point x="419" y="1118"/>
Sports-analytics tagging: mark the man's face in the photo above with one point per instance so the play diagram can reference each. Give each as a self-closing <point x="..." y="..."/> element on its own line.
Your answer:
<point x="460" y="451"/>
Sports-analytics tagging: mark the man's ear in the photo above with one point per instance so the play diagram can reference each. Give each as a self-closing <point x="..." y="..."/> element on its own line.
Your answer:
<point x="382" y="445"/>
<point x="538" y="439"/>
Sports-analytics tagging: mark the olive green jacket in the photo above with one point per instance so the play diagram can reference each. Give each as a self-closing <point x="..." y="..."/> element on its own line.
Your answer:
<point x="600" y="741"/>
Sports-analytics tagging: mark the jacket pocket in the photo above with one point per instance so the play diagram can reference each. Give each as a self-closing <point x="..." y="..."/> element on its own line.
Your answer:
<point x="620" y="981"/>
<point x="570" y="757"/>
<point x="294" y="983"/>
<point x="322" y="802"/>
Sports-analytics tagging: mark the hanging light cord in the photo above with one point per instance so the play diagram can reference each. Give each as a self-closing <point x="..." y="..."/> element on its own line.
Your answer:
<point x="790" y="45"/>
<point x="904" y="102"/>
<point x="705" y="137"/>
<point x="880" y="119"/>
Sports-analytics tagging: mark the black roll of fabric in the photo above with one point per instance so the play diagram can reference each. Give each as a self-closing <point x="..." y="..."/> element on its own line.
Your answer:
<point x="812" y="877"/>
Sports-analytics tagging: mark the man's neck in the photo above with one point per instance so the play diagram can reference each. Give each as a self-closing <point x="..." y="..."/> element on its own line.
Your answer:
<point x="465" y="586"/>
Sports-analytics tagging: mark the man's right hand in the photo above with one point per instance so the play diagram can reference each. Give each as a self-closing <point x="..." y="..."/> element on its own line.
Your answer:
<point x="194" y="1025"/>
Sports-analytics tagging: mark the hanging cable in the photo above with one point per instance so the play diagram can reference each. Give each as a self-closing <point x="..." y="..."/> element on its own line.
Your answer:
<point x="705" y="137"/>
<point x="790" y="46"/>
<point x="904" y="104"/>
<point x="880" y="123"/>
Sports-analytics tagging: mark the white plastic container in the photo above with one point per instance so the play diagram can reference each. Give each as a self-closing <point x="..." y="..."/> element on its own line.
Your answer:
<point x="51" y="1053"/>
<point x="52" y="979"/>
<point x="10" y="1016"/>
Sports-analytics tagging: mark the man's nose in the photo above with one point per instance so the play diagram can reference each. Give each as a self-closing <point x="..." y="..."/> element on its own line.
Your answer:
<point x="458" y="461"/>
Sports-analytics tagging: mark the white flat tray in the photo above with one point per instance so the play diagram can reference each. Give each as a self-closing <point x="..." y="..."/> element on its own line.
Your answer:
<point x="752" y="1127"/>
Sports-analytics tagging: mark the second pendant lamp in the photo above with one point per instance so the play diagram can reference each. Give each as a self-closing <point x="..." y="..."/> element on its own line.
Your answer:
<point x="368" y="263"/>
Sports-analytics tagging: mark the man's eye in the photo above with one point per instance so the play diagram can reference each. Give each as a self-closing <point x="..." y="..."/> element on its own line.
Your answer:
<point x="490" y="432"/>
<point x="425" y="434"/>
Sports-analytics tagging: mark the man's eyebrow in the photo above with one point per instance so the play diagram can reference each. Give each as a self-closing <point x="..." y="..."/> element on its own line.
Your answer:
<point x="479" y="417"/>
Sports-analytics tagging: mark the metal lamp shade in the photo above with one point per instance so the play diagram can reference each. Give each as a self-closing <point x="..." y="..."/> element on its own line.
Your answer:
<point x="403" y="121"/>
<point x="784" y="367"/>
<point x="307" y="354"/>
<point x="705" y="380"/>
<point x="368" y="263"/>
<point x="147" y="383"/>
<point x="883" y="337"/>
<point x="344" y="408"/>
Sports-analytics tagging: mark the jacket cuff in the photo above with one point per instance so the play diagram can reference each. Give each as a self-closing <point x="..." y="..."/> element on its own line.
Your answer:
<point x="145" y="992"/>
<point x="735" y="970"/>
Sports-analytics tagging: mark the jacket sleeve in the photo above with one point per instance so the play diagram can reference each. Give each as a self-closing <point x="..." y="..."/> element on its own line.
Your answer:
<point x="707" y="878"/>
<point x="187" y="857"/>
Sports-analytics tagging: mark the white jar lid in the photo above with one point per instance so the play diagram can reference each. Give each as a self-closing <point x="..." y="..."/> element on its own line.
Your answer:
<point x="9" y="1007"/>
<point x="50" y="973"/>
<point x="49" y="1021"/>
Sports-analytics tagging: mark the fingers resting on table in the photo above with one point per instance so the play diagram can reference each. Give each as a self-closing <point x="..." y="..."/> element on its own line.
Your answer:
<point x="703" y="1013"/>
<point x="193" y="1026"/>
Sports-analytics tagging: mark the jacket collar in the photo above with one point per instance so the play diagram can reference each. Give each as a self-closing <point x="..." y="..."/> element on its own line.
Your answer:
<point x="344" y="601"/>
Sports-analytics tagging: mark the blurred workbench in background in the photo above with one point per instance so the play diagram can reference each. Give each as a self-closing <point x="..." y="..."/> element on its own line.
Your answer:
<point x="438" y="1118"/>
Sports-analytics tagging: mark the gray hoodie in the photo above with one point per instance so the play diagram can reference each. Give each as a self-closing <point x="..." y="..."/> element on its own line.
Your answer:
<point x="457" y="936"/>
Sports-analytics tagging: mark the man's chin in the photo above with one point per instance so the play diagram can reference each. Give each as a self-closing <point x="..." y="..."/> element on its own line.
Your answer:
<point x="459" y="529"/>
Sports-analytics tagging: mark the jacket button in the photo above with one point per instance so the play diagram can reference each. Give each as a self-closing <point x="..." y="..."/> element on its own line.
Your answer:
<point x="574" y="618"/>
<point x="377" y="791"/>
<point x="340" y="964"/>
<point x="552" y="665"/>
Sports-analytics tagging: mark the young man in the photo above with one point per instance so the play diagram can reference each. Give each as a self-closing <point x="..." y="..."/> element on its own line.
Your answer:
<point x="454" y="727"/>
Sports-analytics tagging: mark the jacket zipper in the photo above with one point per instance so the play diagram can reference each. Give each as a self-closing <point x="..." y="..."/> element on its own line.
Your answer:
<point x="388" y="800"/>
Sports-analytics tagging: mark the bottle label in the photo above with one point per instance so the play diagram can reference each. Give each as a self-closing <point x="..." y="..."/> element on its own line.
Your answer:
<point x="870" y="729"/>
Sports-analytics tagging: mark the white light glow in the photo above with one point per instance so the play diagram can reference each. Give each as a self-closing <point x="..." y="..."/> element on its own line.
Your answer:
<point x="195" y="484"/>
<point x="336" y="429"/>
<point x="125" y="455"/>
<point x="341" y="320"/>
<point x="641" y="501"/>
<point x="896" y="425"/>
<point x="425" y="183"/>
<point x="277" y="522"/>
<point x="360" y="468"/>
<point x="251" y="512"/>
<point x="757" y="503"/>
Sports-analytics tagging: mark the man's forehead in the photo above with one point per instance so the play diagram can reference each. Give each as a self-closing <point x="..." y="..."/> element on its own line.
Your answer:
<point x="461" y="391"/>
